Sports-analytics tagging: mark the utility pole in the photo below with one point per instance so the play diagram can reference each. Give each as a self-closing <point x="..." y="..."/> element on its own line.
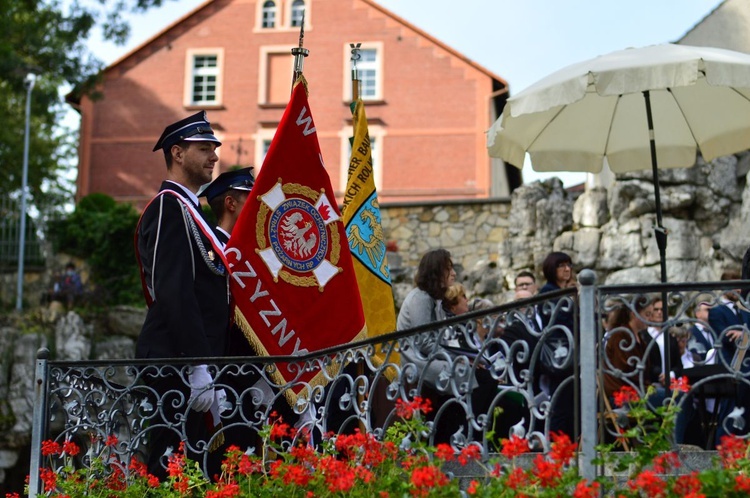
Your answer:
<point x="30" y="79"/>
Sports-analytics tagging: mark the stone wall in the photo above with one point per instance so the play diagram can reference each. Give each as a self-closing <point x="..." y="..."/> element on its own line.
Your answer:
<point x="706" y="210"/>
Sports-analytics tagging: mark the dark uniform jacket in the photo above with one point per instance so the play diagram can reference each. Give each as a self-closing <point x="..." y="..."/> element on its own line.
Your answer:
<point x="189" y="316"/>
<point x="237" y="343"/>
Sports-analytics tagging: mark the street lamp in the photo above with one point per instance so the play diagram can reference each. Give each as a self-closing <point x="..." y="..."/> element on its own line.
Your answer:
<point x="30" y="79"/>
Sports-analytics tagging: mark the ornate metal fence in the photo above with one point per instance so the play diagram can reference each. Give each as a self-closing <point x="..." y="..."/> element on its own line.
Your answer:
<point x="524" y="368"/>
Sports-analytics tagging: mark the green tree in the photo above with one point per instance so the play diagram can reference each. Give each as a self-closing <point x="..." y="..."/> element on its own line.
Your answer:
<point x="100" y="231"/>
<point x="49" y="38"/>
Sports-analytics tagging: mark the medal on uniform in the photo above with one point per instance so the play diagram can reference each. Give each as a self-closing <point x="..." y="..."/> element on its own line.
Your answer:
<point x="211" y="255"/>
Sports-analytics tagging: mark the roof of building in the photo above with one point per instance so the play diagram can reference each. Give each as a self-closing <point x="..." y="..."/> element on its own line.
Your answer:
<point x="371" y="3"/>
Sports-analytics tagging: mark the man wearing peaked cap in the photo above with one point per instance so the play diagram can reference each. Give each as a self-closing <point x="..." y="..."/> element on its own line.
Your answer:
<point x="184" y="277"/>
<point x="226" y="195"/>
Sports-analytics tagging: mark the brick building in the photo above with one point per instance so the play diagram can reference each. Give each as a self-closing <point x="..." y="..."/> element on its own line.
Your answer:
<point x="428" y="106"/>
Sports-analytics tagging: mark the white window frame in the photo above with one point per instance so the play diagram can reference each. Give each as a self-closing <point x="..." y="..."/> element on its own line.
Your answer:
<point x="262" y="14"/>
<point x="376" y="134"/>
<point x="190" y="57"/>
<point x="376" y="65"/>
<point x="262" y="137"/>
<point x="283" y="17"/>
<point x="291" y="12"/>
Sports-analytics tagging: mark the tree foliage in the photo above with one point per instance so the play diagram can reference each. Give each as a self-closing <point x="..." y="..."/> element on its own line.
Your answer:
<point x="100" y="231"/>
<point x="49" y="39"/>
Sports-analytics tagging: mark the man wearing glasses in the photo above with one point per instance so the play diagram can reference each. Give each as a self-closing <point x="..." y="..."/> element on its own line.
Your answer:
<point x="525" y="280"/>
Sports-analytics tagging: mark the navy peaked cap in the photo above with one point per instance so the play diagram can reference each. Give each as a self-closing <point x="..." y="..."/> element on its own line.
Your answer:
<point x="238" y="179"/>
<point x="195" y="128"/>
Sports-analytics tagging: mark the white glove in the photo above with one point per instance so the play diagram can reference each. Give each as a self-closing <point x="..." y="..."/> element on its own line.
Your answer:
<point x="201" y="388"/>
<point x="221" y="400"/>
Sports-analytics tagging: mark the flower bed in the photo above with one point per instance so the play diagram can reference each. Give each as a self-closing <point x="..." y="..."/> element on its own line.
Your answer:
<point x="358" y="465"/>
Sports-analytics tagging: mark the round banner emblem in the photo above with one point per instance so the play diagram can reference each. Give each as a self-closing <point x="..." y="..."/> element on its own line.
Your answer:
<point x="298" y="235"/>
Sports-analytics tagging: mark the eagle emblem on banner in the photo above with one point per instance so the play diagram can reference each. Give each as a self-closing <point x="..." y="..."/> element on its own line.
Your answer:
<point x="294" y="235"/>
<point x="366" y="239"/>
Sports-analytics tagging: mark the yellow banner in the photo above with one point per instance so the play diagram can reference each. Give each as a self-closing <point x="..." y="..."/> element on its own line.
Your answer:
<point x="361" y="215"/>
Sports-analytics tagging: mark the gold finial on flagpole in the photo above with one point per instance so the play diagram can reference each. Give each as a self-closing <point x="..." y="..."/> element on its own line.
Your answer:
<point x="355" y="75"/>
<point x="299" y="53"/>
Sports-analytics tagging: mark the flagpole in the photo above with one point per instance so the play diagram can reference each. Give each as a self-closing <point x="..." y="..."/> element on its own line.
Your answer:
<point x="355" y="75"/>
<point x="355" y="95"/>
<point x="299" y="53"/>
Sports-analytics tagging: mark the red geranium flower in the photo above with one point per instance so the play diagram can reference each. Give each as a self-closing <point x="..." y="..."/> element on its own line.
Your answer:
<point x="514" y="446"/>
<point x="406" y="410"/>
<point x="517" y="478"/>
<point x="471" y="452"/>
<point x="688" y="485"/>
<point x="650" y="483"/>
<point x="731" y="449"/>
<point x="70" y="448"/>
<point x="426" y="478"/>
<point x="50" y="448"/>
<point x="547" y="472"/>
<point x="665" y="462"/>
<point x="563" y="450"/>
<point x="583" y="490"/>
<point x="742" y="483"/>
<point x="49" y="478"/>
<point x="680" y="384"/>
<point x="444" y="452"/>
<point x="625" y="395"/>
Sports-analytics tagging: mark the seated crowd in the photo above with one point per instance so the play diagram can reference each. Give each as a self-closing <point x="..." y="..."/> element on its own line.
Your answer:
<point x="520" y="371"/>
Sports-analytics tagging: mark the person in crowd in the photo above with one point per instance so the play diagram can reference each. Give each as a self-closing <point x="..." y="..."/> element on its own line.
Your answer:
<point x="654" y="314"/>
<point x="628" y="341"/>
<point x="623" y="341"/>
<point x="424" y="305"/>
<point x="525" y="280"/>
<point x="701" y="341"/>
<point x="455" y="301"/>
<point x="68" y="288"/>
<point x="558" y="272"/>
<point x="682" y="334"/>
<point x="521" y="335"/>
<point x="729" y="322"/>
<point x="226" y="195"/>
<point x="484" y="324"/>
<point x="185" y="286"/>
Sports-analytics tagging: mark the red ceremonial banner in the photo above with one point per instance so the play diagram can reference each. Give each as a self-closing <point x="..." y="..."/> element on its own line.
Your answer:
<point x="292" y="277"/>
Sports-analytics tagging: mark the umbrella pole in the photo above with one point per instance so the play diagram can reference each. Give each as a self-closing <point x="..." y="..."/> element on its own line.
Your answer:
<point x="661" y="242"/>
<point x="659" y="230"/>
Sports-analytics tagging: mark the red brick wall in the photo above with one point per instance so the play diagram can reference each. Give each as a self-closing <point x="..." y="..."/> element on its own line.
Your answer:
<point x="435" y="106"/>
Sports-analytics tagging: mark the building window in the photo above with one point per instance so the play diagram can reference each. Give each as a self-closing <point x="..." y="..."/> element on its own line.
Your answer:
<point x="203" y="82"/>
<point x="369" y="71"/>
<point x="298" y="12"/>
<point x="275" y="75"/>
<point x="264" y="149"/>
<point x="205" y="77"/>
<point x="263" y="139"/>
<point x="367" y="67"/>
<point x="269" y="14"/>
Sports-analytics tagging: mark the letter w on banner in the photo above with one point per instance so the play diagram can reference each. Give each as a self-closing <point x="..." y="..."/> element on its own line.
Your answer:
<point x="293" y="282"/>
<point x="366" y="240"/>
